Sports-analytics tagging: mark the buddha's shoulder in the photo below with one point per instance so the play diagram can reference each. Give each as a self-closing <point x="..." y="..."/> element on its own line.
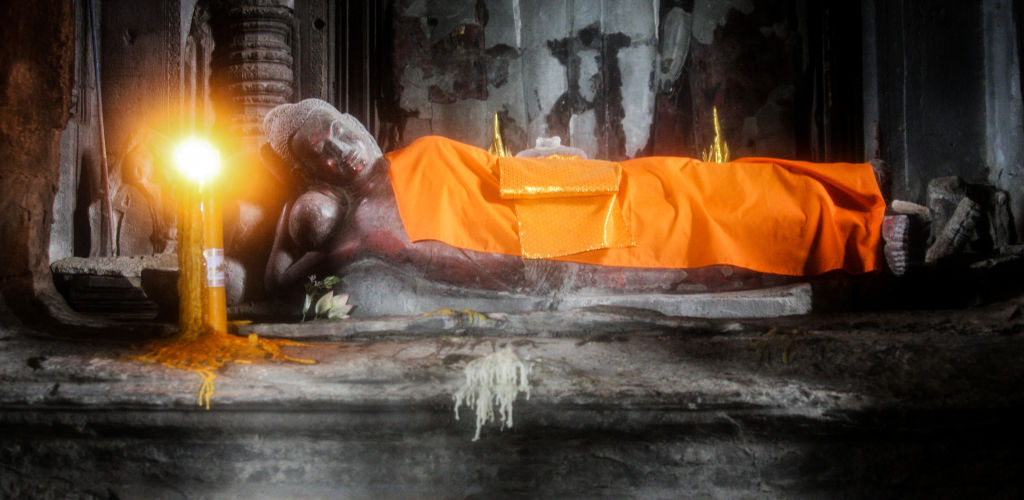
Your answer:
<point x="319" y="204"/>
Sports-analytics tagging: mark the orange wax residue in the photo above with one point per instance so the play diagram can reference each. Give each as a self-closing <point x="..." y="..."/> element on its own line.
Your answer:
<point x="210" y="351"/>
<point x="197" y="347"/>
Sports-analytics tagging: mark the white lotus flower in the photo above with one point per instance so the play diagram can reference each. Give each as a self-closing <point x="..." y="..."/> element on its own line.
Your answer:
<point x="339" y="307"/>
<point x="332" y="306"/>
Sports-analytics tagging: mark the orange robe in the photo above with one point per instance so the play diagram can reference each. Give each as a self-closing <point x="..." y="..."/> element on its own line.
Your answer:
<point x="768" y="215"/>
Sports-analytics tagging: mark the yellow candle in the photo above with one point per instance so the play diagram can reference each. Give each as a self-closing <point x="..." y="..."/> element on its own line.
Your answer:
<point x="202" y="226"/>
<point x="190" y="264"/>
<point x="202" y="344"/>
<point x="213" y="257"/>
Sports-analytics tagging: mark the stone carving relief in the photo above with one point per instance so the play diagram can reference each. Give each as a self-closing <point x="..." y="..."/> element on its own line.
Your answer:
<point x="141" y="219"/>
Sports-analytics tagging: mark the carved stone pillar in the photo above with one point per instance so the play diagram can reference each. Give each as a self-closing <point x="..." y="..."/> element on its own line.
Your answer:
<point x="252" y="63"/>
<point x="251" y="72"/>
<point x="198" y="57"/>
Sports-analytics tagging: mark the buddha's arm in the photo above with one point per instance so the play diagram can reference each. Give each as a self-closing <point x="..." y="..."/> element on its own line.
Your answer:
<point x="300" y="238"/>
<point x="284" y="269"/>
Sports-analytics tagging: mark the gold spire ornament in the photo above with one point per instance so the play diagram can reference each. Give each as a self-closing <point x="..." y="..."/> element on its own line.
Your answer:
<point x="497" y="145"/>
<point x="718" y="151"/>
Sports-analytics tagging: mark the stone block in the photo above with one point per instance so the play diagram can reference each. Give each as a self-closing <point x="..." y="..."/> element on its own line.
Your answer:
<point x="764" y="303"/>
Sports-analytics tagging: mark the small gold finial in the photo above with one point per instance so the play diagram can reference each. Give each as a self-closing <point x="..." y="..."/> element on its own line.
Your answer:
<point x="497" y="145"/>
<point x="718" y="151"/>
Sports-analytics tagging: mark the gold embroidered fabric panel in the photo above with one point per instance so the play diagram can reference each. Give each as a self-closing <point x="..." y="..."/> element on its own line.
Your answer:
<point x="565" y="206"/>
<point x="549" y="177"/>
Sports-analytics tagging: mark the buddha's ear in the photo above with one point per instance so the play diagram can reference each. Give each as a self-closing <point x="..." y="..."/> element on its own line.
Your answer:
<point x="279" y="168"/>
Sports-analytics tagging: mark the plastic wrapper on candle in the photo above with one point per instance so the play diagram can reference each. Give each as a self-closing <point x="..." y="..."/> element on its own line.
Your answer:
<point x="214" y="258"/>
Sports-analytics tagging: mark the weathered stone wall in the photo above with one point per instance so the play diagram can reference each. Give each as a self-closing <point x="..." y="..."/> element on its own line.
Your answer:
<point x="617" y="79"/>
<point x="1004" y="109"/>
<point x="746" y="59"/>
<point x="141" y="65"/>
<point x="948" y="100"/>
<point x="930" y="67"/>
<point x="79" y="190"/>
<point x="36" y="52"/>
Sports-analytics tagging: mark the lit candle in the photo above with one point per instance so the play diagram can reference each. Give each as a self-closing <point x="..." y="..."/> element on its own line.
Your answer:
<point x="201" y="234"/>
<point x="213" y="257"/>
<point x="203" y="344"/>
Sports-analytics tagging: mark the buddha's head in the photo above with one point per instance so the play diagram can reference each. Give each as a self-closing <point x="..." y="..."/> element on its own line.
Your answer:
<point x="328" y="145"/>
<point x="137" y="165"/>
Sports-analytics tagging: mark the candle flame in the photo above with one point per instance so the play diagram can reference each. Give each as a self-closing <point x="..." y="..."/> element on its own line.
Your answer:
<point x="197" y="160"/>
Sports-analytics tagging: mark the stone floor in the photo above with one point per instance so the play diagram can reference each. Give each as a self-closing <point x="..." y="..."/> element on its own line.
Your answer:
<point x="624" y="403"/>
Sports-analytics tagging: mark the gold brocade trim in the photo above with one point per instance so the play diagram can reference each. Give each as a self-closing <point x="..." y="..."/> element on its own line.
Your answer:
<point x="556" y="177"/>
<point x="565" y="206"/>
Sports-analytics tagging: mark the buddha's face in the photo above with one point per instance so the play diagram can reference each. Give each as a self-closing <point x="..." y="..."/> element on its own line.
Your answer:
<point x="334" y="148"/>
<point x="137" y="167"/>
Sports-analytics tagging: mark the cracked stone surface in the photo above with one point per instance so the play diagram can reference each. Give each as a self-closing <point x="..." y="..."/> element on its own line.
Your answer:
<point x="623" y="403"/>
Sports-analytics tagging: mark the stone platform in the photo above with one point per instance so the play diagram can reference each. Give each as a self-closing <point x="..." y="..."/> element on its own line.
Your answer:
<point x="113" y="287"/>
<point x="143" y="288"/>
<point x="380" y="289"/>
<point x="624" y="404"/>
<point x="771" y="302"/>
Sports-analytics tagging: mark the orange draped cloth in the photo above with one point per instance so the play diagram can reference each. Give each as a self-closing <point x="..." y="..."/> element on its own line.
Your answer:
<point x="764" y="214"/>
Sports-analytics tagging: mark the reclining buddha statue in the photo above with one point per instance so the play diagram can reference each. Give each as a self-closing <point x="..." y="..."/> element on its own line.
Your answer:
<point x="439" y="221"/>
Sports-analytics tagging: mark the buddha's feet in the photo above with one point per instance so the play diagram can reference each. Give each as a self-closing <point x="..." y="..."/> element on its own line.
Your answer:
<point x="896" y="234"/>
<point x="958" y="231"/>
